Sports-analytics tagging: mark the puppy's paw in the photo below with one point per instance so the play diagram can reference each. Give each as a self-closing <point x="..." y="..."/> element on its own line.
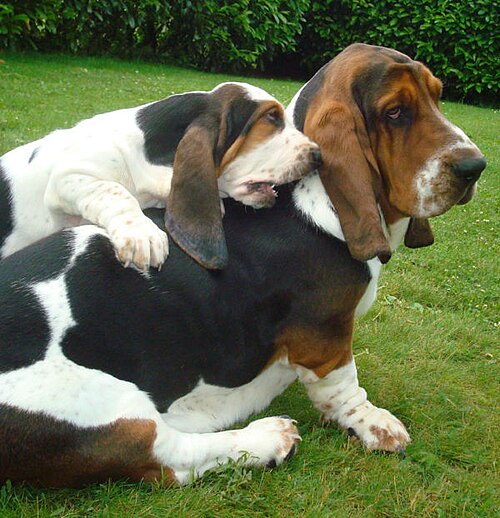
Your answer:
<point x="138" y="242"/>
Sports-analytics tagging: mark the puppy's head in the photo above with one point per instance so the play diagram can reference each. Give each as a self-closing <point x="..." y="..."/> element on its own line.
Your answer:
<point x="375" y="114"/>
<point x="240" y="146"/>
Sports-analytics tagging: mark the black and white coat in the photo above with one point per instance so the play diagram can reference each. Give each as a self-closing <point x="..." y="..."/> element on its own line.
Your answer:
<point x="111" y="372"/>
<point x="232" y="141"/>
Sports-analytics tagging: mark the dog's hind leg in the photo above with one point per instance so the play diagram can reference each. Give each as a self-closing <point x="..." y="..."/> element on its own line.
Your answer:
<point x="266" y="442"/>
<point x="81" y="425"/>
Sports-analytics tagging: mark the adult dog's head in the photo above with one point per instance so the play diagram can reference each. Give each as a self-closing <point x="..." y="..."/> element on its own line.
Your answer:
<point x="374" y="113"/>
<point x="240" y="145"/>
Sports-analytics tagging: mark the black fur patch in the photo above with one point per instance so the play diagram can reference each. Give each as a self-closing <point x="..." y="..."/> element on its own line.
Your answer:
<point x="306" y="96"/>
<point x="366" y="89"/>
<point x="5" y="207"/>
<point x="33" y="155"/>
<point x="164" y="124"/>
<point x="24" y="332"/>
<point x="237" y="118"/>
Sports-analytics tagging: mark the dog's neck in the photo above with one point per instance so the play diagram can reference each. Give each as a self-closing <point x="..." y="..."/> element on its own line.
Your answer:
<point x="314" y="204"/>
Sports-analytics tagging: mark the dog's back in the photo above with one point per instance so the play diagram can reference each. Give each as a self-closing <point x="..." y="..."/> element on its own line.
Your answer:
<point x="166" y="330"/>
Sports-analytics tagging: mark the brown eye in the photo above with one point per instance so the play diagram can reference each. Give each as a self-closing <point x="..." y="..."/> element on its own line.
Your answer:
<point x="274" y="117"/>
<point x="394" y="113"/>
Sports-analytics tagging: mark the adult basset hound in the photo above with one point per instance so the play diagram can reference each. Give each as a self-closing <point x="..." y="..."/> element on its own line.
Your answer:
<point x="110" y="372"/>
<point x="234" y="141"/>
<point x="388" y="152"/>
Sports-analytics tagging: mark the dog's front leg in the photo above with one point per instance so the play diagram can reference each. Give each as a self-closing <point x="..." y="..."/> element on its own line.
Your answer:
<point x="324" y="363"/>
<point x="340" y="399"/>
<point x="110" y="205"/>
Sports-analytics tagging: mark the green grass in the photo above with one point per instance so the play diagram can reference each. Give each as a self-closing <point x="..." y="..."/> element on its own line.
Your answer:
<point x="427" y="351"/>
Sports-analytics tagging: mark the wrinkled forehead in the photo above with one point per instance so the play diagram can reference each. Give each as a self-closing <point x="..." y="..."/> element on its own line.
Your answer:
<point x="381" y="81"/>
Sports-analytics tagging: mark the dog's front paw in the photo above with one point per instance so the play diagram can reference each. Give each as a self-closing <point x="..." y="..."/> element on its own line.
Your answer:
<point x="139" y="242"/>
<point x="270" y="441"/>
<point x="375" y="428"/>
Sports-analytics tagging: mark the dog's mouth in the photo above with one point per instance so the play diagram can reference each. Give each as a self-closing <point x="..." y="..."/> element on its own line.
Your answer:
<point x="262" y="194"/>
<point x="264" y="188"/>
<point x="468" y="195"/>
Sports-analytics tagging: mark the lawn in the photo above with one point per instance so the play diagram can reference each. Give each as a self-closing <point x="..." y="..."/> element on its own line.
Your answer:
<point x="427" y="351"/>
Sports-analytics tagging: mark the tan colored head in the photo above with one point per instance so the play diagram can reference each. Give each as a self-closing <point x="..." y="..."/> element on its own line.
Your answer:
<point x="240" y="146"/>
<point x="374" y="113"/>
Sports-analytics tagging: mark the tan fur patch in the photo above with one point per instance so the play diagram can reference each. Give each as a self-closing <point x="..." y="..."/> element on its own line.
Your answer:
<point x="313" y="350"/>
<point x="386" y="440"/>
<point x="56" y="453"/>
<point x="260" y="130"/>
<point x="327" y="345"/>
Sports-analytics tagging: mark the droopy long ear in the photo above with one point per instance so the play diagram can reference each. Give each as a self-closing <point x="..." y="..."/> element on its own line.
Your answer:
<point x="193" y="215"/>
<point x="350" y="176"/>
<point x="419" y="233"/>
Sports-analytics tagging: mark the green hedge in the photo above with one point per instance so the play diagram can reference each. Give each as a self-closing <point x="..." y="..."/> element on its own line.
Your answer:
<point x="116" y="27"/>
<point x="233" y="35"/>
<point x="457" y="39"/>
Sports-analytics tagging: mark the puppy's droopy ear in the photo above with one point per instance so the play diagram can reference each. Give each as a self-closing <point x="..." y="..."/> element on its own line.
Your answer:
<point x="193" y="214"/>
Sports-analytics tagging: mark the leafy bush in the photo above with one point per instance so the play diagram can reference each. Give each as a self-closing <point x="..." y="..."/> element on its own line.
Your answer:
<point x="233" y="35"/>
<point x="116" y="27"/>
<point x="22" y="22"/>
<point x="457" y="39"/>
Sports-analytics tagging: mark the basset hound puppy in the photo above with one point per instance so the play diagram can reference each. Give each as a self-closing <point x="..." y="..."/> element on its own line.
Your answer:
<point x="186" y="149"/>
<point x="111" y="372"/>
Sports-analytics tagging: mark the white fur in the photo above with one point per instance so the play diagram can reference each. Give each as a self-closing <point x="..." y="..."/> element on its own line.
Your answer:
<point x="314" y="203"/>
<point x="340" y="399"/>
<point x="209" y="408"/>
<point x="281" y="159"/>
<point x="97" y="172"/>
<point x="432" y="182"/>
<point x="53" y="297"/>
<point x="370" y="294"/>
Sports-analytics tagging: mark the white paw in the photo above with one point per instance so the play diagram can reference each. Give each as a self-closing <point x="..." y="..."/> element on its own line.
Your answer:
<point x="376" y="428"/>
<point x="270" y="441"/>
<point x="138" y="241"/>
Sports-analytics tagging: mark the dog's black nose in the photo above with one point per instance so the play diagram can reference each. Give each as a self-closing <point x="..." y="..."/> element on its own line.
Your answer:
<point x="316" y="160"/>
<point x="469" y="169"/>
